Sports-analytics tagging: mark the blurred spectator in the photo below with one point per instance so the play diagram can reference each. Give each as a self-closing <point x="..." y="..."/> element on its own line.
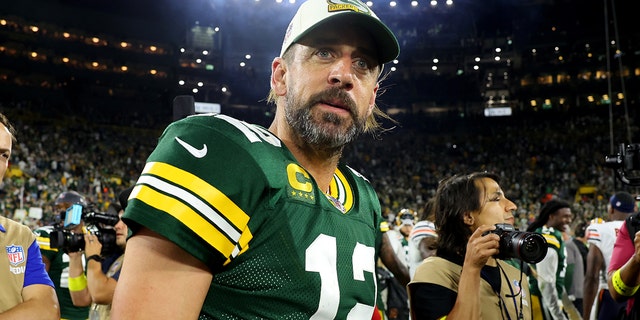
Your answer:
<point x="601" y="237"/>
<point x="547" y="287"/>
<point x="399" y="234"/>
<point x="574" y="277"/>
<point x="423" y="237"/>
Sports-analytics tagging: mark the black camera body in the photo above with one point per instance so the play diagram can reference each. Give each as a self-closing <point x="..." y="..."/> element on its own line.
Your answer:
<point x="97" y="223"/>
<point x="626" y="164"/>
<point x="530" y="247"/>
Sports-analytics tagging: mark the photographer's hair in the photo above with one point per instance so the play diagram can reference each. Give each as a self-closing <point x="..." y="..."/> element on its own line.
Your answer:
<point x="427" y="212"/>
<point x="455" y="197"/>
<point x="547" y="209"/>
<point x="5" y="121"/>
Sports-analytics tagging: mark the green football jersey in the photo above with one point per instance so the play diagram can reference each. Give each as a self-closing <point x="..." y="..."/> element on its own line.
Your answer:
<point x="59" y="274"/>
<point x="554" y="242"/>
<point x="232" y="195"/>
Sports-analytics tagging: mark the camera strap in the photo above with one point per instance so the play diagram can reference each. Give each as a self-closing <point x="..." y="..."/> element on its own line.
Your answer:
<point x="514" y="295"/>
<point x="493" y="277"/>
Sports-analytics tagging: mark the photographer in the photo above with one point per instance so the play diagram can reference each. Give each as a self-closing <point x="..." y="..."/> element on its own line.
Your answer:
<point x="467" y="209"/>
<point x="102" y="268"/>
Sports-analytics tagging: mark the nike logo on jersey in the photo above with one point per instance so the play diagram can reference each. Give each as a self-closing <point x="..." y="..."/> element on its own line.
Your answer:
<point x="198" y="153"/>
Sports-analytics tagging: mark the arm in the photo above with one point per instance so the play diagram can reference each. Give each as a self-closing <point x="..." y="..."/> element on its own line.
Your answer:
<point x="100" y="287"/>
<point x="40" y="302"/>
<point x="39" y="299"/>
<point x="179" y="282"/>
<point x="392" y="262"/>
<point x="547" y="269"/>
<point x="630" y="271"/>
<point x="479" y="250"/>
<point x="595" y="265"/>
<point x="80" y="298"/>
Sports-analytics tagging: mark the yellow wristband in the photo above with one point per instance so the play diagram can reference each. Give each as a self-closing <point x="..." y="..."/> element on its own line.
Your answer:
<point x="620" y="287"/>
<point x="78" y="283"/>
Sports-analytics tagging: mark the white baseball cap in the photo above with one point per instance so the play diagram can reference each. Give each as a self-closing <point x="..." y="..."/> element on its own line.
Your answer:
<point x="314" y="13"/>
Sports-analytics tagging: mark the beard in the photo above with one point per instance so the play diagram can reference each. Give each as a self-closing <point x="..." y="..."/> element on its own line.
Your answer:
<point x="324" y="129"/>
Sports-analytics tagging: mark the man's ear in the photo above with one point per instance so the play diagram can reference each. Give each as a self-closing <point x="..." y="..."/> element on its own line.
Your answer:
<point x="279" y="76"/>
<point x="372" y="101"/>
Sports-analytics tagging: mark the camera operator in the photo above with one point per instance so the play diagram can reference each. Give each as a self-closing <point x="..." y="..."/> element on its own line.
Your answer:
<point x="465" y="279"/>
<point x="56" y="260"/>
<point x="102" y="273"/>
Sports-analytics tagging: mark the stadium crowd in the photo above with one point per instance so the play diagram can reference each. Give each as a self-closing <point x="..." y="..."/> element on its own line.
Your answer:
<point x="538" y="156"/>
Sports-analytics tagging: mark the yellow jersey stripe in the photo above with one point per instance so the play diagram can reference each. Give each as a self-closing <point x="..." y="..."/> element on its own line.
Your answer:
<point x="346" y="188"/>
<point x="551" y="240"/>
<point x="216" y="219"/>
<point x="188" y="216"/>
<point x="194" y="185"/>
<point x="341" y="190"/>
<point x="45" y="243"/>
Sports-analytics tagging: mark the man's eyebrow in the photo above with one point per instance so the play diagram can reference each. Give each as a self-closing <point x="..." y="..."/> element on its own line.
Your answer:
<point x="328" y="41"/>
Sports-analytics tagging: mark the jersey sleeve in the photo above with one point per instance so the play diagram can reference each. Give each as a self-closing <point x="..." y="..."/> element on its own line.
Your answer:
<point x="593" y="234"/>
<point x="200" y="186"/>
<point x="35" y="272"/>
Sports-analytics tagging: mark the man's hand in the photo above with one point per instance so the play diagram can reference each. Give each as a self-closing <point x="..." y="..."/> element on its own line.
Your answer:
<point x="481" y="246"/>
<point x="91" y="245"/>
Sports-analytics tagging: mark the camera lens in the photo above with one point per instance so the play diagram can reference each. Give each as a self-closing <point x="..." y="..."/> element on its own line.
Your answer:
<point x="531" y="247"/>
<point x="66" y="240"/>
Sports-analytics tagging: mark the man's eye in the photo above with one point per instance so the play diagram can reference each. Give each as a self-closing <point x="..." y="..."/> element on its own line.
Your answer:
<point x="362" y="64"/>
<point x="324" y="53"/>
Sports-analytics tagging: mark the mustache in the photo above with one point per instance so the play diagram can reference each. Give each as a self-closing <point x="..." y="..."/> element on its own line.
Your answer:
<point x="335" y="97"/>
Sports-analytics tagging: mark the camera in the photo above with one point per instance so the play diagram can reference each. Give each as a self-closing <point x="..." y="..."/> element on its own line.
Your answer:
<point x="626" y="164"/>
<point x="529" y="247"/>
<point x="98" y="223"/>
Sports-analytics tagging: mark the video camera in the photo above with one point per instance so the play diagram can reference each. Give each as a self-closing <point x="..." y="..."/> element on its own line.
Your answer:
<point x="98" y="223"/>
<point x="530" y="247"/>
<point x="626" y="164"/>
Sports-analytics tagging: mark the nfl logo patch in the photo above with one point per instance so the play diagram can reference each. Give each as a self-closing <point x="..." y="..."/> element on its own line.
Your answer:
<point x="15" y="254"/>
